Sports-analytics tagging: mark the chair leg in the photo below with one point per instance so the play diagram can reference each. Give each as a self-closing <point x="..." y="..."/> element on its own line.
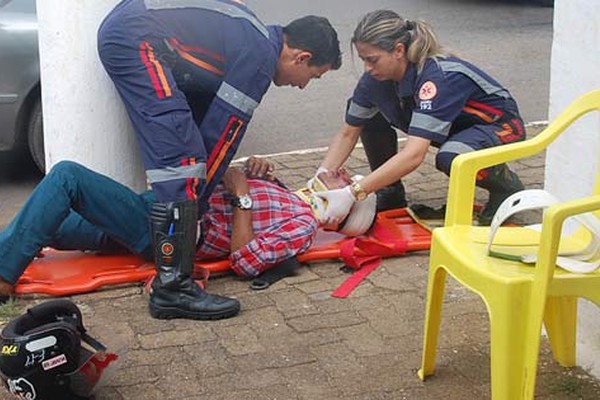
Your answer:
<point x="560" y="318"/>
<point x="508" y="343"/>
<point x="435" y="297"/>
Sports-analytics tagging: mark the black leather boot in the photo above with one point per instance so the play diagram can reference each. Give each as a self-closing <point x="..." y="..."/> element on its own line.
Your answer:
<point x="501" y="183"/>
<point x="175" y="294"/>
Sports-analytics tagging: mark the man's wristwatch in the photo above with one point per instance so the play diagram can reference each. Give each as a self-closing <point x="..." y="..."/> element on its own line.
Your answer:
<point x="243" y="202"/>
<point x="358" y="192"/>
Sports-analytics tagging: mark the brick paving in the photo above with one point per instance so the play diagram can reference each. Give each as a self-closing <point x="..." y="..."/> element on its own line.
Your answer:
<point x="294" y="341"/>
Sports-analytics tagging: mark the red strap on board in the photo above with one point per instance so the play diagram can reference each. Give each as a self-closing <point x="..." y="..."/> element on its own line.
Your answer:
<point x="364" y="265"/>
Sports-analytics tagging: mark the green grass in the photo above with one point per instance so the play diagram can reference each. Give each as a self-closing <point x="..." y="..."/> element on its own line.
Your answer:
<point x="10" y="310"/>
<point x="567" y="385"/>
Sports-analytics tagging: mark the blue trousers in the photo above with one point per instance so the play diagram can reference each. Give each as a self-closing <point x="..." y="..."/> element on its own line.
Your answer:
<point x="169" y="138"/>
<point x="74" y="208"/>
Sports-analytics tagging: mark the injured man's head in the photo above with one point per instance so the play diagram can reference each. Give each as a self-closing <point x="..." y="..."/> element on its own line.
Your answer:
<point x="362" y="214"/>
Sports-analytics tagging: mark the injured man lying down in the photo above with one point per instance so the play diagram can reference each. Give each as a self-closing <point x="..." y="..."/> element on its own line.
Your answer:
<point x="251" y="218"/>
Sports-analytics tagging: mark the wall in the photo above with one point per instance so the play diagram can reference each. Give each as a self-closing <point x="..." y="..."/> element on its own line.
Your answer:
<point x="572" y="161"/>
<point x="84" y="119"/>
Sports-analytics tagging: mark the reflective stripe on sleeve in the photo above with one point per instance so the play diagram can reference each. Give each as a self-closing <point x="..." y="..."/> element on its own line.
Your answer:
<point x="430" y="124"/>
<point x="173" y="173"/>
<point x="485" y="85"/>
<point x="361" y="112"/>
<point x="236" y="98"/>
<point x="455" y="148"/>
<point x="211" y="5"/>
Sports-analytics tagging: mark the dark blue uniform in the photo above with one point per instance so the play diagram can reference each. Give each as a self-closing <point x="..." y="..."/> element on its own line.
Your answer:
<point x="451" y="102"/>
<point x="191" y="73"/>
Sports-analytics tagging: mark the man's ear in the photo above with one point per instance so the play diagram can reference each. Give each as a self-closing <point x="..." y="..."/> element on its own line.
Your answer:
<point x="303" y="57"/>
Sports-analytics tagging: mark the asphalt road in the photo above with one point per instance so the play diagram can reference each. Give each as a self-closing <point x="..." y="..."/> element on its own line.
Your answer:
<point x="511" y="41"/>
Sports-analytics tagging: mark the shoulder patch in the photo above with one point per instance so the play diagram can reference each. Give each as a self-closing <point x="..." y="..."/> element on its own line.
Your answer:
<point x="428" y="91"/>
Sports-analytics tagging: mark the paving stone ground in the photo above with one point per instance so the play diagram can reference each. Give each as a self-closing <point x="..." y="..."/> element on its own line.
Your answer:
<point x="294" y="341"/>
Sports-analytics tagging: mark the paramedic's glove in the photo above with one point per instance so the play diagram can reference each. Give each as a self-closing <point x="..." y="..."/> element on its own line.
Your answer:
<point x="339" y="203"/>
<point x="311" y="180"/>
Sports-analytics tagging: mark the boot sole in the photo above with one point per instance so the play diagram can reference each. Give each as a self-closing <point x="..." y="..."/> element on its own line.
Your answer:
<point x="173" y="312"/>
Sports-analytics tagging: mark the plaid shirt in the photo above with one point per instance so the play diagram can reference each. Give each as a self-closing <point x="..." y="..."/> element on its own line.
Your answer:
<point x="283" y="226"/>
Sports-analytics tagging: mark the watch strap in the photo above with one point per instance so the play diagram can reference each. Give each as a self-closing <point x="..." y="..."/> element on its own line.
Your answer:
<point x="358" y="192"/>
<point x="238" y="201"/>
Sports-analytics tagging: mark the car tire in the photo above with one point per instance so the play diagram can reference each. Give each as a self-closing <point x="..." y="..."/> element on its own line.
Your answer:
<point x="35" y="135"/>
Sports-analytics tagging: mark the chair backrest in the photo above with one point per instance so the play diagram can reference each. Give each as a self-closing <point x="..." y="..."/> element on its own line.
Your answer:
<point x="461" y="191"/>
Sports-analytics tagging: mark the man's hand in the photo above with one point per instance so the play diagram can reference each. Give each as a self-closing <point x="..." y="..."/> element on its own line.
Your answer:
<point x="235" y="181"/>
<point x="259" y="168"/>
<point x="339" y="203"/>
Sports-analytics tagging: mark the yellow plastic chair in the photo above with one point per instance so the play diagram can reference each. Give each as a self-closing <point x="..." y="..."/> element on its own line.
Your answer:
<point x="518" y="297"/>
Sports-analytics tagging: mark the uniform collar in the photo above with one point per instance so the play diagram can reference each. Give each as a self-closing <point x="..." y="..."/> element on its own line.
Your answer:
<point x="406" y="87"/>
<point x="276" y="37"/>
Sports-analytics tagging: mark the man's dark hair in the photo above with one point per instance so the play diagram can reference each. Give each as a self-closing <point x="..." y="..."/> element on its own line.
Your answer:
<point x="316" y="35"/>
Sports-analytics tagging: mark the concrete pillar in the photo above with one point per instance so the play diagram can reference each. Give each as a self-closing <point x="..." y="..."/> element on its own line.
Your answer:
<point x="572" y="161"/>
<point x="84" y="119"/>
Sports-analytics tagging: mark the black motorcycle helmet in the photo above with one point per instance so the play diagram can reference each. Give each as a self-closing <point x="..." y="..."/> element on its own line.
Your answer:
<point x="46" y="354"/>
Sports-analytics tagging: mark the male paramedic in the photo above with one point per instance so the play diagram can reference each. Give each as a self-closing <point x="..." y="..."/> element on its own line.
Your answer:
<point x="191" y="73"/>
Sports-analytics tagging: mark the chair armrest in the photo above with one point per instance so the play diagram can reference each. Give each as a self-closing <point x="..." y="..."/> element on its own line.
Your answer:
<point x="553" y="220"/>
<point x="465" y="167"/>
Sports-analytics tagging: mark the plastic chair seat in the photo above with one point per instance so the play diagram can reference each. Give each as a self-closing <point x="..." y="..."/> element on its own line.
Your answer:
<point x="465" y="248"/>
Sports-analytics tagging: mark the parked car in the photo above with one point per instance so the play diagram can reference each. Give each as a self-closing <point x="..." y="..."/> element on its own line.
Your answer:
<point x="543" y="3"/>
<point x="20" y="103"/>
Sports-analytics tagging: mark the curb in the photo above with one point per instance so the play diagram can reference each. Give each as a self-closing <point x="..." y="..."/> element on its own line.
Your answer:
<point x="534" y="124"/>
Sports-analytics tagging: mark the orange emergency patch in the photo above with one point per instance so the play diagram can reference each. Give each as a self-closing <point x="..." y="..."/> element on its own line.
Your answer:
<point x="428" y="91"/>
<point x="167" y="249"/>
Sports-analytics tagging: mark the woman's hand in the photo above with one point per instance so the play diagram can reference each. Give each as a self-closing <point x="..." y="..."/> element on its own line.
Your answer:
<point x="235" y="181"/>
<point x="339" y="203"/>
<point x="259" y="168"/>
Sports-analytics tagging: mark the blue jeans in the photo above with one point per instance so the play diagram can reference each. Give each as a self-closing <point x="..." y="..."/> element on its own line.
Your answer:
<point x="74" y="208"/>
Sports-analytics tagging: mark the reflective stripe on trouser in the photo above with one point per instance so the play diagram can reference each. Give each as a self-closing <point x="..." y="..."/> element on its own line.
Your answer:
<point x="474" y="138"/>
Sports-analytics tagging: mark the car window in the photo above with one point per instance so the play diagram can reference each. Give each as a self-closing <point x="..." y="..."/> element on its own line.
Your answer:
<point x="22" y="6"/>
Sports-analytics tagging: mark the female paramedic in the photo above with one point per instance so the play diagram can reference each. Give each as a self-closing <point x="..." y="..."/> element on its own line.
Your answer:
<point x="412" y="84"/>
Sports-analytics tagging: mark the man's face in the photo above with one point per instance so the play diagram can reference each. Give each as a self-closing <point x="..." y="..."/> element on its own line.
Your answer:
<point x="296" y="72"/>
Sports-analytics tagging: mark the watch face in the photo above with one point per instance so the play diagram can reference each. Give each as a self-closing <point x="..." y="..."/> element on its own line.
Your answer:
<point x="244" y="202"/>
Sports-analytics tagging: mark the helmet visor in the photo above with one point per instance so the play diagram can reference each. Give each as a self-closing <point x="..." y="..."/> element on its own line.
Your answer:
<point x="97" y="366"/>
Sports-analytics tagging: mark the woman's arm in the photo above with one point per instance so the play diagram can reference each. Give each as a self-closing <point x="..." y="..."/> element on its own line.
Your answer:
<point x="341" y="146"/>
<point x="340" y="200"/>
<point x="406" y="161"/>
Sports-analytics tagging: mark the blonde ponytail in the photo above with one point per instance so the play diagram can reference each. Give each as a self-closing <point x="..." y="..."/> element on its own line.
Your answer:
<point x="385" y="29"/>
